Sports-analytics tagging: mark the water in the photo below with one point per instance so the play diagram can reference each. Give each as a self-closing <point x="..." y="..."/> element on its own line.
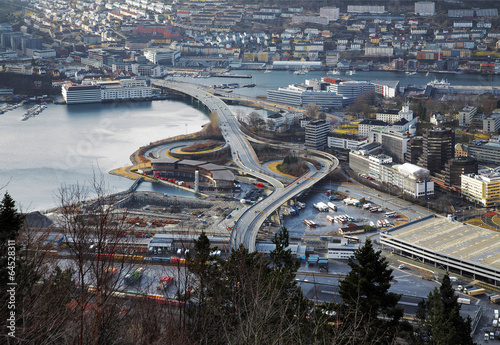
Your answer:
<point x="276" y="79"/>
<point x="71" y="144"/>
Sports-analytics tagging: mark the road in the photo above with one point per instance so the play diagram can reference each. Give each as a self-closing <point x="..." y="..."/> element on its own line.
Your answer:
<point x="247" y="226"/>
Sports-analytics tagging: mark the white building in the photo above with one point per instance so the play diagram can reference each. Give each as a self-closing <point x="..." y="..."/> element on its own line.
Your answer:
<point x="365" y="9"/>
<point x="316" y="133"/>
<point x="425" y="8"/>
<point x="491" y="124"/>
<point x="161" y="56"/>
<point x="465" y="116"/>
<point x="76" y="94"/>
<point x="366" y="125"/>
<point x="125" y="89"/>
<point x="345" y="143"/>
<point x="378" y="50"/>
<point x="343" y="250"/>
<point x="332" y="13"/>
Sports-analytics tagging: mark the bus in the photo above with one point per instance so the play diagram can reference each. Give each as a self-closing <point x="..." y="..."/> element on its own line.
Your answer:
<point x="351" y="239"/>
<point x="390" y="214"/>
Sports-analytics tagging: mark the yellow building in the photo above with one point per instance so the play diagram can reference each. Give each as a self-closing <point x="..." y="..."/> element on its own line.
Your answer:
<point x="483" y="189"/>
<point x="461" y="150"/>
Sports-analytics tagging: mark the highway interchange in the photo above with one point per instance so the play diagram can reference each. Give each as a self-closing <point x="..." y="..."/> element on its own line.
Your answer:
<point x="247" y="226"/>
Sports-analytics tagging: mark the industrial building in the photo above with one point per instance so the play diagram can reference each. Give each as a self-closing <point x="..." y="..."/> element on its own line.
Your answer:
<point x="342" y="250"/>
<point x="462" y="248"/>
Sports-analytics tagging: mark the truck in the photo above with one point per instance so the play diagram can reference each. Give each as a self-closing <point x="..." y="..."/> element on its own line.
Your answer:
<point x="462" y="300"/>
<point x="165" y="282"/>
<point x="323" y="264"/>
<point x="332" y="206"/>
<point x="313" y="259"/>
<point x="301" y="204"/>
<point x="133" y="276"/>
<point x="475" y="292"/>
<point x="321" y="206"/>
<point x="495" y="299"/>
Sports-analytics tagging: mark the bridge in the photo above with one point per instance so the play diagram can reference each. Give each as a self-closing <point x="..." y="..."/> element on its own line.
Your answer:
<point x="247" y="226"/>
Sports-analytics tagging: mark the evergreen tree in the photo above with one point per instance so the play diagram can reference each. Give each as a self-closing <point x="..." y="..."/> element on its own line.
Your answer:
<point x="442" y="320"/>
<point x="367" y="305"/>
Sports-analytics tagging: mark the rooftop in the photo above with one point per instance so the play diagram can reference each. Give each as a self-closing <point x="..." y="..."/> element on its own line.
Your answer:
<point x="459" y="240"/>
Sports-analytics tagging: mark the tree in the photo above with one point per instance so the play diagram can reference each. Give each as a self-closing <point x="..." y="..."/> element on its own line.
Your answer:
<point x="440" y="317"/>
<point x="366" y="300"/>
<point x="255" y="121"/>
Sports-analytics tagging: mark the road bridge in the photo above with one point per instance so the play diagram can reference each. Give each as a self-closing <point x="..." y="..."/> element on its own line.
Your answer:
<point x="247" y="226"/>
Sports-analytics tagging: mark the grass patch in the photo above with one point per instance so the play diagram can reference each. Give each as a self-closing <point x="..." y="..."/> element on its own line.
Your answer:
<point x="351" y="127"/>
<point x="201" y="147"/>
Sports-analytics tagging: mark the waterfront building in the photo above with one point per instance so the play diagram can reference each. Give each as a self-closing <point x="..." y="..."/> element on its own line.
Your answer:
<point x="76" y="94"/>
<point x="482" y="189"/>
<point x="386" y="88"/>
<point x="302" y="96"/>
<point x="351" y="89"/>
<point x="124" y="89"/>
<point x="316" y="133"/>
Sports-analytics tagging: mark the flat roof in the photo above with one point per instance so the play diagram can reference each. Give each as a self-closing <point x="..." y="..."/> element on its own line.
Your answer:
<point x="455" y="239"/>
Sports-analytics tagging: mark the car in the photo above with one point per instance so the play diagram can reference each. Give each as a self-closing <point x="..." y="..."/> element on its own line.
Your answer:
<point x="402" y="267"/>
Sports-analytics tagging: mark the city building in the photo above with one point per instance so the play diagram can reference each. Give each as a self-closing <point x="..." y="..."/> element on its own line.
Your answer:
<point x="393" y="115"/>
<point x="485" y="152"/>
<point x="465" y="115"/>
<point x="345" y="142"/>
<point x="162" y="56"/>
<point x="455" y="168"/>
<point x="386" y="88"/>
<point x="342" y="249"/>
<point x="366" y="125"/>
<point x="438" y="147"/>
<point x="491" y="124"/>
<point x="316" y="133"/>
<point x="394" y="143"/>
<point x="414" y="149"/>
<point x="456" y="247"/>
<point x="461" y="150"/>
<point x="332" y="13"/>
<point x="409" y="178"/>
<point x="301" y="96"/>
<point x="482" y="189"/>
<point x="372" y="9"/>
<point x="425" y="8"/>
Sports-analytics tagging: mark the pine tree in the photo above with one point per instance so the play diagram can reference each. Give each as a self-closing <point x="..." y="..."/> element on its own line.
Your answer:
<point x="366" y="302"/>
<point x="442" y="316"/>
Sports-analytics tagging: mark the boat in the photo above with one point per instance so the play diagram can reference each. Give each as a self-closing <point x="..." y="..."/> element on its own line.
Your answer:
<point x="267" y="70"/>
<point x="411" y="73"/>
<point x="442" y="82"/>
<point x="427" y="74"/>
<point x="248" y="85"/>
<point x="334" y="72"/>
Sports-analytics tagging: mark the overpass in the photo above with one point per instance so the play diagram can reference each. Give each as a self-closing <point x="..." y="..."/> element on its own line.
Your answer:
<point x="247" y="226"/>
